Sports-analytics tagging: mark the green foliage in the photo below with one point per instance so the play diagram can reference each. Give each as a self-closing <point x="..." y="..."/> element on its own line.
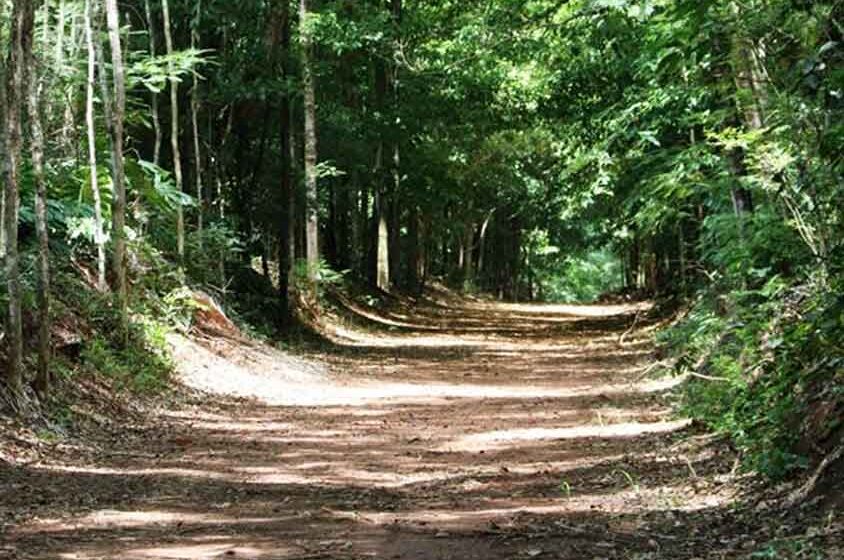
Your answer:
<point x="765" y="356"/>
<point x="154" y="73"/>
<point x="208" y="251"/>
<point x="790" y="549"/>
<point x="579" y="279"/>
<point x="141" y="365"/>
<point x="323" y="273"/>
<point x="136" y="367"/>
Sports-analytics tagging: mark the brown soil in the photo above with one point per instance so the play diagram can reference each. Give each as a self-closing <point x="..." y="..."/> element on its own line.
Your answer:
<point x="455" y="430"/>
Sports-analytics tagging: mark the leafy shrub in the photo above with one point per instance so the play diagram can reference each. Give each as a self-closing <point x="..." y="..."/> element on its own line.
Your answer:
<point x="763" y="357"/>
<point x="324" y="274"/>
<point x="579" y="278"/>
<point x="134" y="367"/>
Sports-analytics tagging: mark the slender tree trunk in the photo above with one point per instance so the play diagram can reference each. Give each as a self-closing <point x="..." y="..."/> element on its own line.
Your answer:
<point x="361" y="235"/>
<point x="194" y="114"/>
<point x="42" y="376"/>
<point x="70" y="137"/>
<point x="174" y="135"/>
<point x="3" y="112"/>
<point x="58" y="65"/>
<point x="156" y="118"/>
<point x="287" y="229"/>
<point x="482" y="241"/>
<point x="291" y="209"/>
<point x="20" y="34"/>
<point x="311" y="193"/>
<point x="383" y="258"/>
<point x="381" y="230"/>
<point x="118" y="207"/>
<point x="394" y="221"/>
<point x="469" y="256"/>
<point x="99" y="234"/>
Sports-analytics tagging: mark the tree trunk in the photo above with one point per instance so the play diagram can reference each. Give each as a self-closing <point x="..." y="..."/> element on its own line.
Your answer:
<point x="156" y="118"/>
<point x="311" y="193"/>
<point x="194" y="117"/>
<point x="99" y="235"/>
<point x="383" y="257"/>
<point x="414" y="252"/>
<point x="70" y="137"/>
<point x="118" y="206"/>
<point x="381" y="232"/>
<point x="174" y="135"/>
<point x="42" y="375"/>
<point x="394" y="221"/>
<point x="287" y="230"/>
<point x="3" y="112"/>
<point x="20" y="35"/>
<point x="469" y="256"/>
<point x="482" y="241"/>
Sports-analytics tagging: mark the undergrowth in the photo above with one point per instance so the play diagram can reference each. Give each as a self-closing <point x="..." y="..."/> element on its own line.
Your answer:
<point x="767" y="369"/>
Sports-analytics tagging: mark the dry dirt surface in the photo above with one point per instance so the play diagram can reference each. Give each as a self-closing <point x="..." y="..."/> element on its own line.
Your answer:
<point x="456" y="430"/>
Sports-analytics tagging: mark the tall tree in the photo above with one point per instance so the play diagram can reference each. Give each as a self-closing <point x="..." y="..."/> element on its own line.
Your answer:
<point x="118" y="207"/>
<point x="381" y="231"/>
<point x="154" y="112"/>
<point x="174" y="130"/>
<point x="3" y="141"/>
<point x="34" y="98"/>
<point x="22" y="23"/>
<point x="287" y="223"/>
<point x="311" y="192"/>
<point x="90" y="121"/>
<point x="194" y="119"/>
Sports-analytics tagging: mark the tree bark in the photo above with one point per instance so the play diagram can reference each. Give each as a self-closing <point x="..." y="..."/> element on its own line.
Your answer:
<point x="482" y="241"/>
<point x="21" y="33"/>
<point x="3" y="112"/>
<point x="311" y="193"/>
<point x="174" y="134"/>
<point x="383" y="257"/>
<point x="469" y="255"/>
<point x="70" y="137"/>
<point x="156" y="118"/>
<point x="42" y="375"/>
<point x="381" y="230"/>
<point x="99" y="234"/>
<point x="194" y="114"/>
<point x="118" y="207"/>
<point x="287" y="229"/>
<point x="394" y="198"/>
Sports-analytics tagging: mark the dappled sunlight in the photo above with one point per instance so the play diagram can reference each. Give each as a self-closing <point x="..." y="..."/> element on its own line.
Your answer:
<point x="554" y="310"/>
<point x="176" y="472"/>
<point x="328" y="391"/>
<point x="511" y="438"/>
<point x="634" y="500"/>
<point x="204" y="551"/>
<point x="112" y="519"/>
<point x="396" y="436"/>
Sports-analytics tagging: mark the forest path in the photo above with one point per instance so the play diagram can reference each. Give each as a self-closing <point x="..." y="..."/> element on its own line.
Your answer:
<point x="460" y="430"/>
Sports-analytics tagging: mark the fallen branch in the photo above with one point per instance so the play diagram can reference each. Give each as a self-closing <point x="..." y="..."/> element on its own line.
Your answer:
<point x="631" y="329"/>
<point x="809" y="486"/>
<point x="666" y="364"/>
<point x="708" y="377"/>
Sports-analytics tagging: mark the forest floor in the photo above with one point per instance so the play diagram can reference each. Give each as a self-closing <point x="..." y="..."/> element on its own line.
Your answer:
<point x="454" y="430"/>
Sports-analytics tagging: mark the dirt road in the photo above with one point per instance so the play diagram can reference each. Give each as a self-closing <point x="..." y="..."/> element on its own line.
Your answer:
<point x="456" y="431"/>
